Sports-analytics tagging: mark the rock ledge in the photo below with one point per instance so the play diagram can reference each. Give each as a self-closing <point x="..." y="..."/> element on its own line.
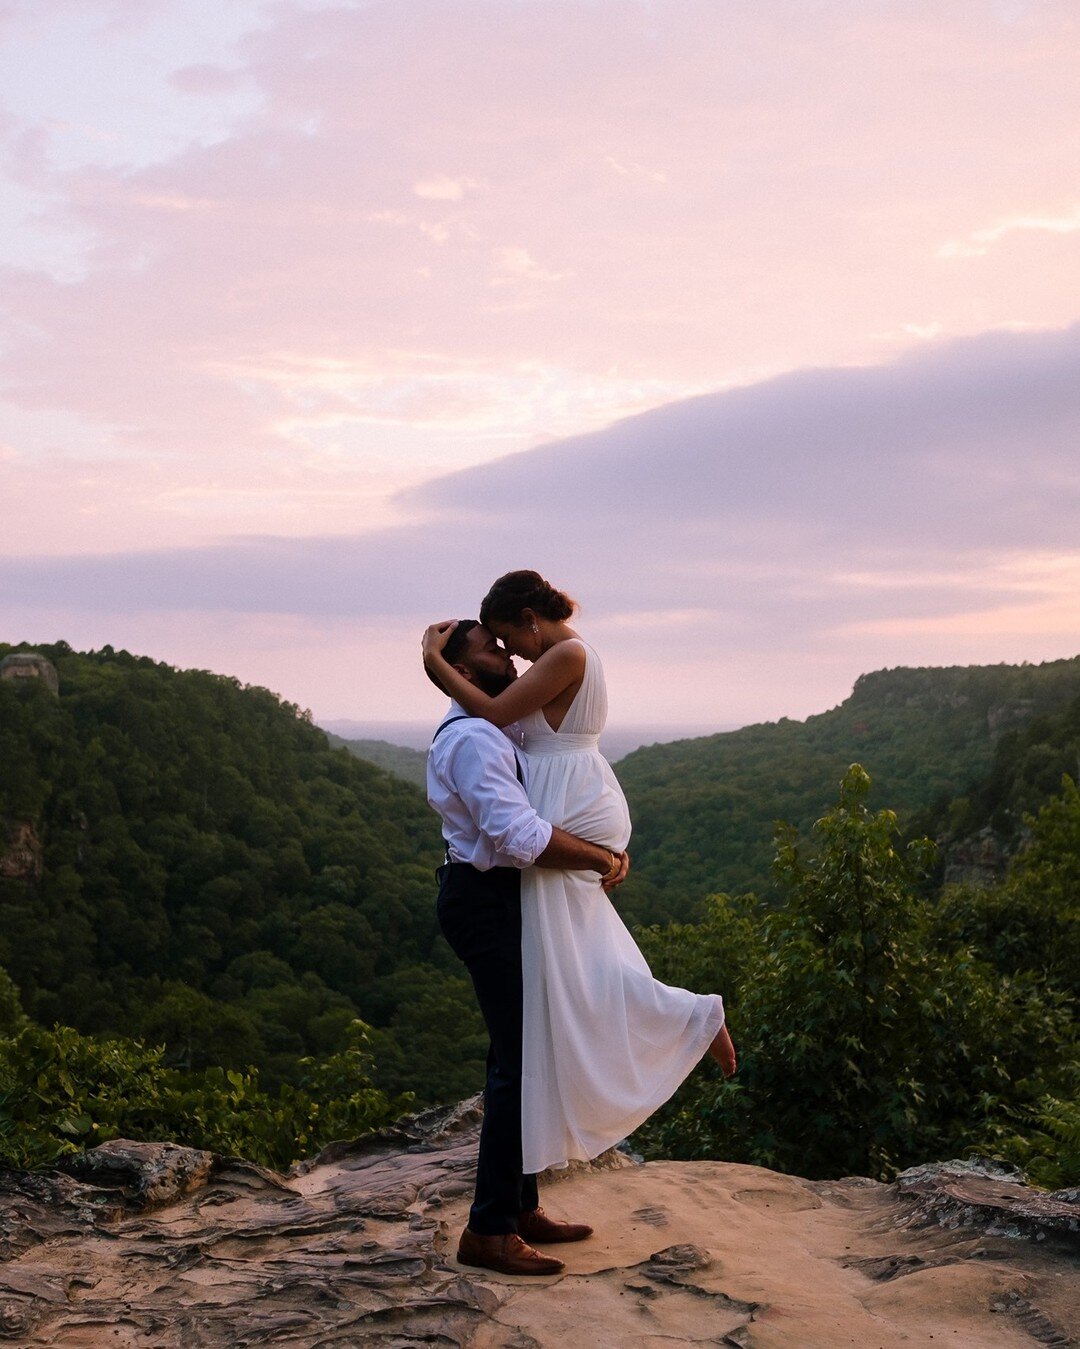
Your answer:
<point x="140" y="1243"/>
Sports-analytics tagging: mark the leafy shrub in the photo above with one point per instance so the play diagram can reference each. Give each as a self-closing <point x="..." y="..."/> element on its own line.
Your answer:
<point x="61" y="1091"/>
<point x="1046" y="1144"/>
<point x="865" y="1046"/>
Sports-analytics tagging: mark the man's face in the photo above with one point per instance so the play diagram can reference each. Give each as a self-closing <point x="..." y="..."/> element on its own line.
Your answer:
<point x="489" y="665"/>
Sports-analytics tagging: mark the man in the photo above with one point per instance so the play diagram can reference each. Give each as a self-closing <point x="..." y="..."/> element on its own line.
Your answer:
<point x="475" y="782"/>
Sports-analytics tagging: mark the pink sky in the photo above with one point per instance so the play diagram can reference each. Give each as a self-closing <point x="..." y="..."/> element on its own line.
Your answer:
<point x="271" y="272"/>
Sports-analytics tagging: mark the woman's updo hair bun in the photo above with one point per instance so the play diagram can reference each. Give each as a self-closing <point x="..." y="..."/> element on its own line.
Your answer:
<point x="519" y="590"/>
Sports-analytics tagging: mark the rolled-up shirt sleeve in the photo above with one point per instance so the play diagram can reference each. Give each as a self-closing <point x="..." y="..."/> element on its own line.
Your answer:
<point x="487" y="783"/>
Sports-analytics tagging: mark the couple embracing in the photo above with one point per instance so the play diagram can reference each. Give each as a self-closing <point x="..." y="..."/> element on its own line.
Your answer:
<point x="585" y="1043"/>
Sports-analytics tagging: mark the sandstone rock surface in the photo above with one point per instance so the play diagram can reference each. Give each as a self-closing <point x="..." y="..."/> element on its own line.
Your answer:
<point x="152" y="1244"/>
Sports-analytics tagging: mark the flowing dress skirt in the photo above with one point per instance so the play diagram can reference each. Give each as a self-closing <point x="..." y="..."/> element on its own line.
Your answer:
<point x="604" y="1042"/>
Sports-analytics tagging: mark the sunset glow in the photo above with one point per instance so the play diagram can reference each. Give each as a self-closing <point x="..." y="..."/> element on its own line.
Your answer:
<point x="756" y="326"/>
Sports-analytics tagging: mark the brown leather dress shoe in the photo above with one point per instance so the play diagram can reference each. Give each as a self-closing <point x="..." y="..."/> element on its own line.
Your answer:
<point x="506" y="1254"/>
<point x="537" y="1226"/>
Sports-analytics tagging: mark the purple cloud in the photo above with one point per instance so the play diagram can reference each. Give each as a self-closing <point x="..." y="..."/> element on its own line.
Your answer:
<point x="757" y="501"/>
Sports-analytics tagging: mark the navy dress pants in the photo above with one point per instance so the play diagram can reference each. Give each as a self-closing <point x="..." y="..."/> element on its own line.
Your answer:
<point x="480" y="916"/>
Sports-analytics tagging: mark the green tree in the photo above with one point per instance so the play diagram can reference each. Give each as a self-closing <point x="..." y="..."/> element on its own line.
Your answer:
<point x="199" y="1031"/>
<point x="704" y="809"/>
<point x="864" y="1045"/>
<point x="435" y="1043"/>
<point x="61" y="1091"/>
<point x="189" y="822"/>
<point x="12" y="1016"/>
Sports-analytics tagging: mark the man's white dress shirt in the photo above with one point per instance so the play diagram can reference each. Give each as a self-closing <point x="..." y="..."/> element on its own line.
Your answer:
<point x="472" y="781"/>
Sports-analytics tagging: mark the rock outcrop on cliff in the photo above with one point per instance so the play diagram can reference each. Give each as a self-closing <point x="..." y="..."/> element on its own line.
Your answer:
<point x="20" y="851"/>
<point x="30" y="665"/>
<point x="155" y="1244"/>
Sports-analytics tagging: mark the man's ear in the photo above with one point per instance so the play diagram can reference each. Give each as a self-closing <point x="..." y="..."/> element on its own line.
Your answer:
<point x="465" y="672"/>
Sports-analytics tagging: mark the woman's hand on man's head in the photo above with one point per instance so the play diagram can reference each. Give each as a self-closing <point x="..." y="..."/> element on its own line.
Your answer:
<point x="435" y="638"/>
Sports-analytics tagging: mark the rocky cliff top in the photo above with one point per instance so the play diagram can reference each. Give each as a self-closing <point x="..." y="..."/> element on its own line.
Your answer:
<point x="153" y="1244"/>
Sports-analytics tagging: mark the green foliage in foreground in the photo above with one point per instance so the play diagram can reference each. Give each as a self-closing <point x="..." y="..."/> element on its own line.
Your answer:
<point x="867" y="1041"/>
<point x="61" y="1091"/>
<point x="1046" y="1143"/>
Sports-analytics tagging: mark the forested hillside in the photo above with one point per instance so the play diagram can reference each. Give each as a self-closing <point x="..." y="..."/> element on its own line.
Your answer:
<point x="1026" y="769"/>
<point x="405" y="763"/>
<point x="215" y="877"/>
<point x="704" y="810"/>
<point x="187" y="860"/>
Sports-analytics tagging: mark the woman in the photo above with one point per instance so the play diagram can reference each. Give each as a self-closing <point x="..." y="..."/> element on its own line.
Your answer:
<point x="604" y="1042"/>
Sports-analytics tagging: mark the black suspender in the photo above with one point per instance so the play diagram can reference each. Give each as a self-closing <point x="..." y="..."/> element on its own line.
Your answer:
<point x="449" y="722"/>
<point x="464" y="716"/>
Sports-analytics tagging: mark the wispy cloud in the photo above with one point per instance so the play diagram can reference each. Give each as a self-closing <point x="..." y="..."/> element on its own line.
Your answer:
<point x="442" y="187"/>
<point x="635" y="171"/>
<point x="658" y="200"/>
<point x="979" y="243"/>
<point x="513" y="263"/>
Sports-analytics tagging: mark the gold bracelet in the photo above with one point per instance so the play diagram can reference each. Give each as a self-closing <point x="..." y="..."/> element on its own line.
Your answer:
<point x="613" y="870"/>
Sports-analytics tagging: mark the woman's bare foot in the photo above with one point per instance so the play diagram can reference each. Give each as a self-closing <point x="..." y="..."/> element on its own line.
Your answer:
<point x="723" y="1051"/>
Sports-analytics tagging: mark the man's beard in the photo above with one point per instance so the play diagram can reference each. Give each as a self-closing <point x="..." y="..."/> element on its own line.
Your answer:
<point x="492" y="684"/>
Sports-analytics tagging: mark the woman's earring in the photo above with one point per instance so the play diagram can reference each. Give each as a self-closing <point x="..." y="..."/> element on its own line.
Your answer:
<point x="535" y="628"/>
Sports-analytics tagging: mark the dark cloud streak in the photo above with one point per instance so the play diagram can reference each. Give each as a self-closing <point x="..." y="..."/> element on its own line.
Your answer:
<point x="957" y="441"/>
<point x="749" y="503"/>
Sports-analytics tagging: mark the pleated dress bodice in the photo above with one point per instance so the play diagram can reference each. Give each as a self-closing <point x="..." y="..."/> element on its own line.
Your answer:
<point x="570" y="782"/>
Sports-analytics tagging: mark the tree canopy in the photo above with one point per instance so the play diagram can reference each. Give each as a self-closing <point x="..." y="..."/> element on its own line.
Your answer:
<point x="223" y="930"/>
<point x="218" y="879"/>
<point x="878" y="1028"/>
<point x="704" y="810"/>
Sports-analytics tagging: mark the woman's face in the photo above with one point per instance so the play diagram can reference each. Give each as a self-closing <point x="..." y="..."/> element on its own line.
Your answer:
<point x="517" y="638"/>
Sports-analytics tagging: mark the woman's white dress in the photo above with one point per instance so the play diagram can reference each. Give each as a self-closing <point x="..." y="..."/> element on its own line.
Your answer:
<point x="604" y="1042"/>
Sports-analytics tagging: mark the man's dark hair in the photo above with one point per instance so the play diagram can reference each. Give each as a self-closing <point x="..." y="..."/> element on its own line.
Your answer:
<point x="455" y="648"/>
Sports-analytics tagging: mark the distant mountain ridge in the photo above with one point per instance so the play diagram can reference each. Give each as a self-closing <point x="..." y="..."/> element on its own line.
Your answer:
<point x="704" y="810"/>
<point x="376" y="738"/>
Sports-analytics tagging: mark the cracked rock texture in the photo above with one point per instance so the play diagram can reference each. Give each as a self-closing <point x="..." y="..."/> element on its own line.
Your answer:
<point x="157" y="1245"/>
